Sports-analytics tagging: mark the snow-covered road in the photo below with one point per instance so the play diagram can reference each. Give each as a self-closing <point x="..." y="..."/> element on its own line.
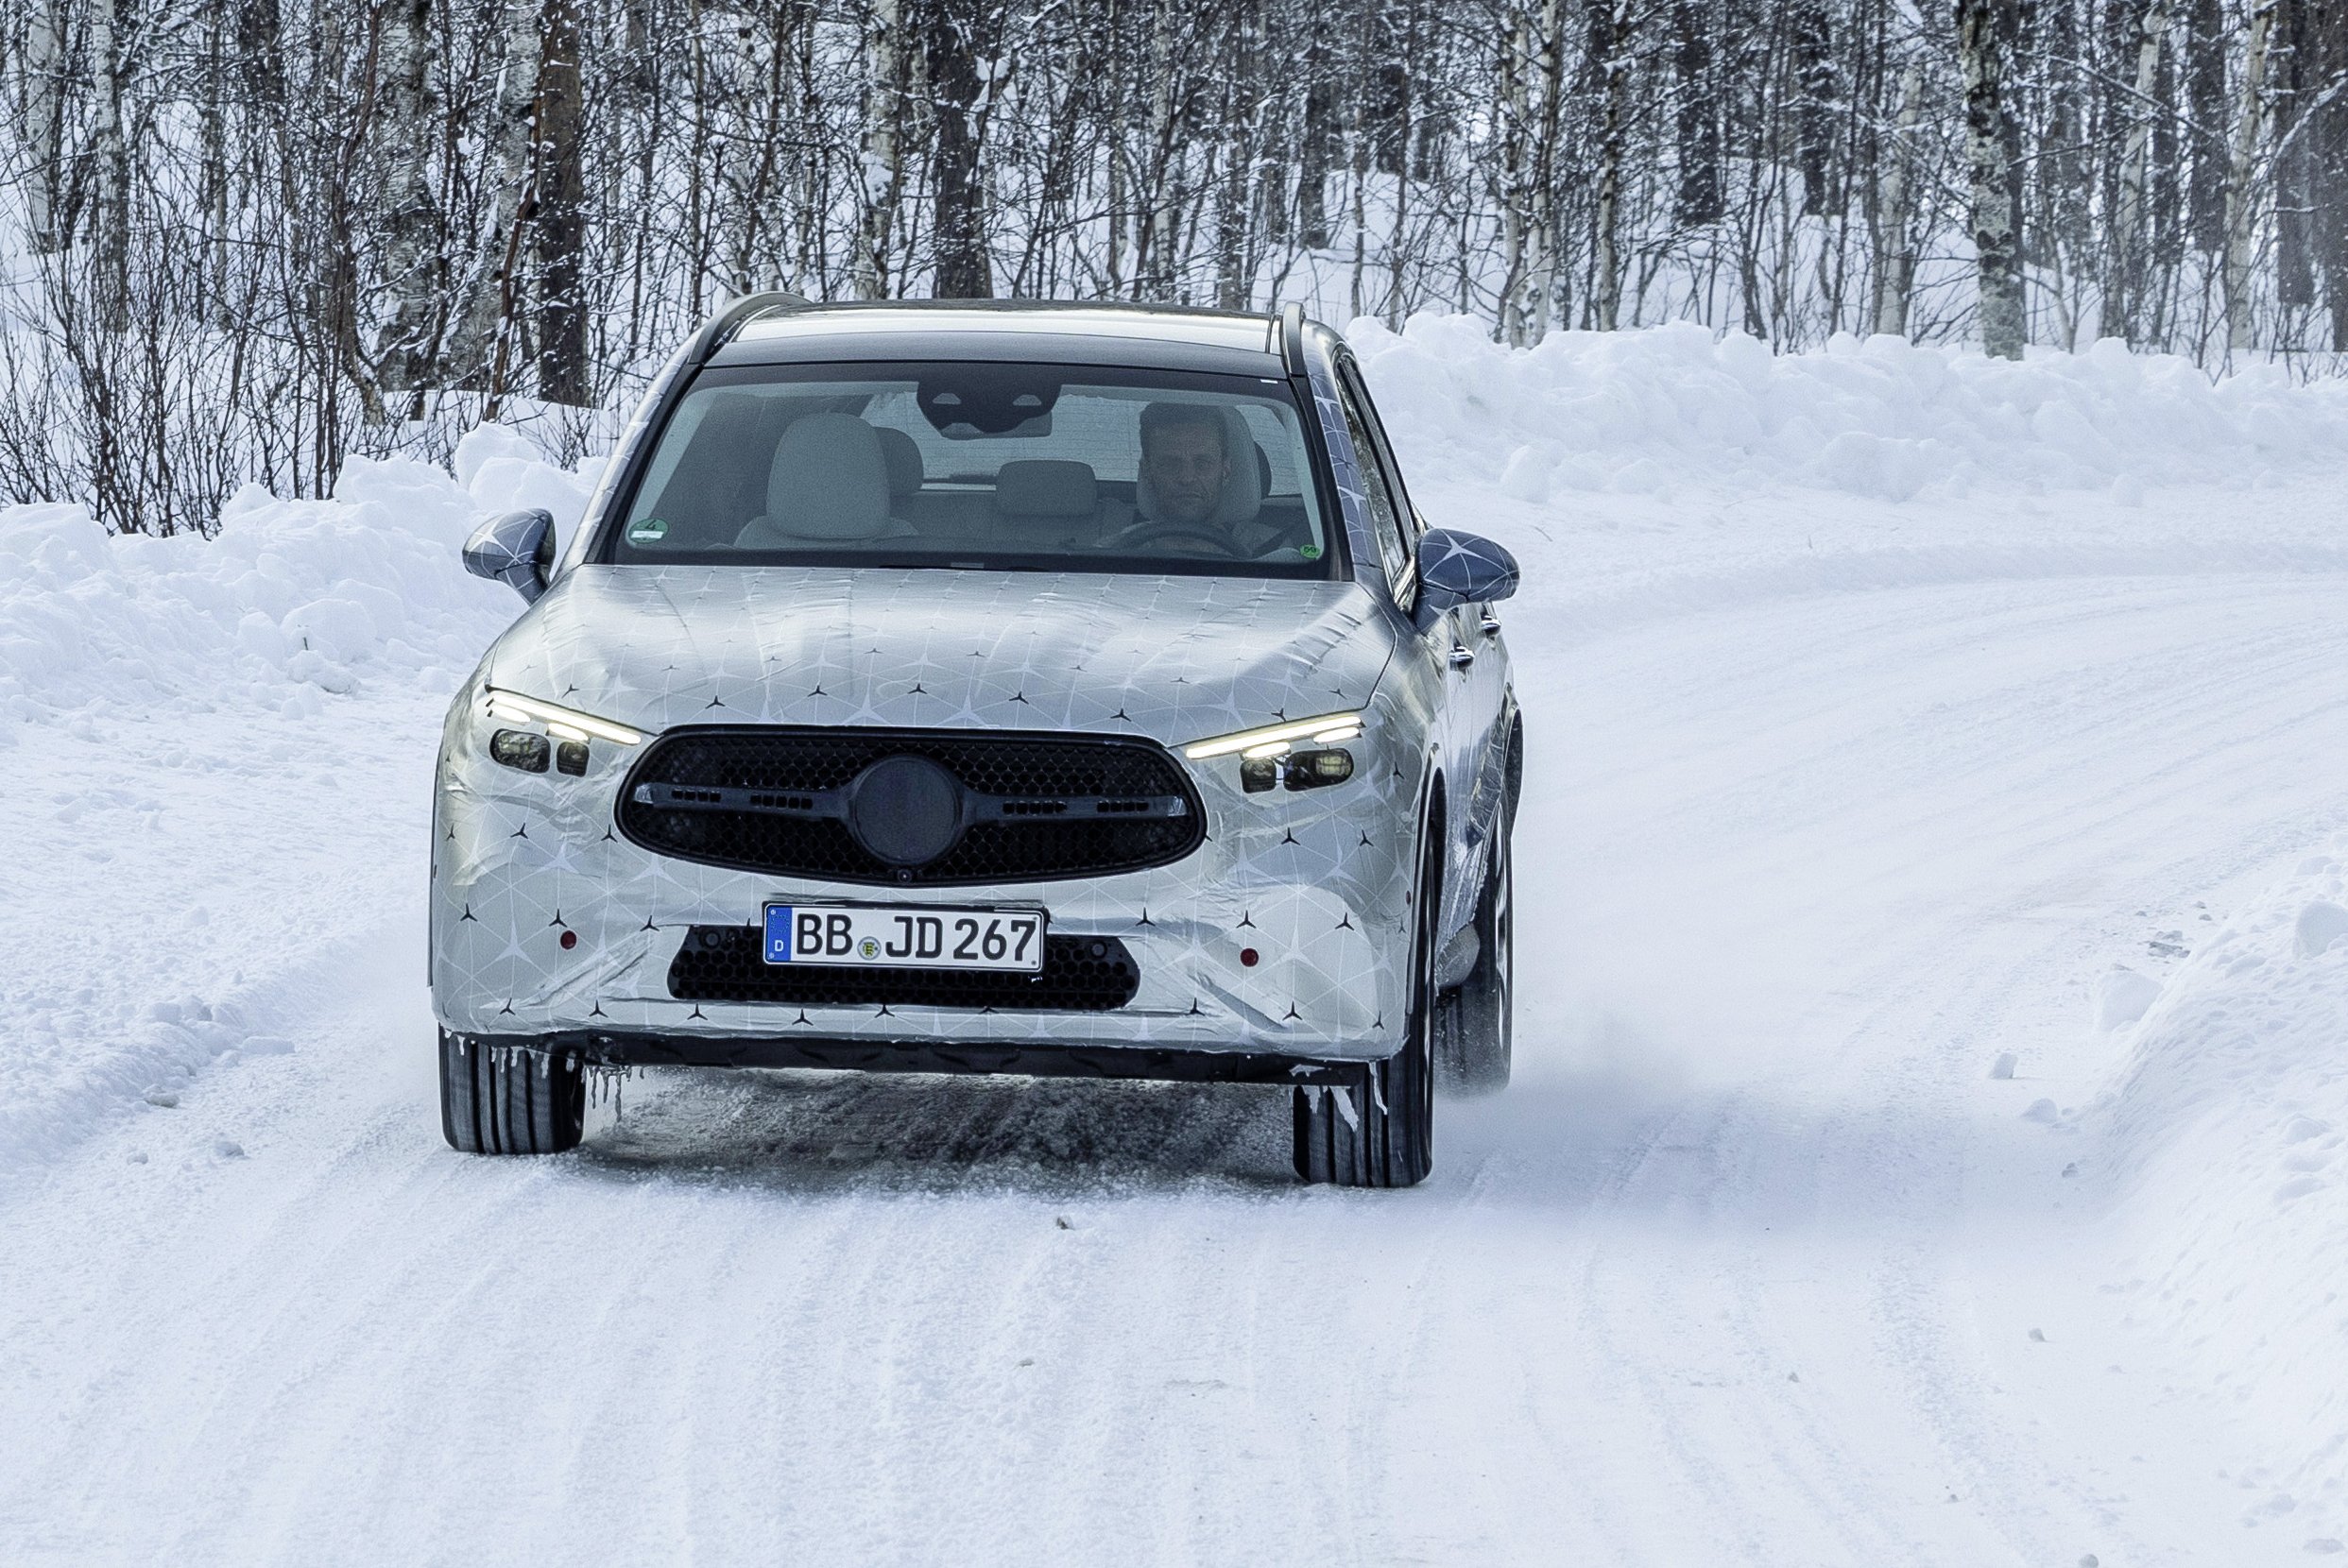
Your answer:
<point x="1756" y="1263"/>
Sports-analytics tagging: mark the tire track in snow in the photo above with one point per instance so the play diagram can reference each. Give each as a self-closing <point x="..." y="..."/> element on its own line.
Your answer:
<point x="836" y="1318"/>
<point x="2299" y="700"/>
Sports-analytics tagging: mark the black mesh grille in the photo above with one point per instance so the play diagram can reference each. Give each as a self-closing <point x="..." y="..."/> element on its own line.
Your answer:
<point x="1080" y="974"/>
<point x="1034" y="777"/>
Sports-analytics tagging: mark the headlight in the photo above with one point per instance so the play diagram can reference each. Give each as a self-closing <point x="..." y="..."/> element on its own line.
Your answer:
<point x="567" y="730"/>
<point x="564" y="724"/>
<point x="1269" y="756"/>
<point x="1277" y="740"/>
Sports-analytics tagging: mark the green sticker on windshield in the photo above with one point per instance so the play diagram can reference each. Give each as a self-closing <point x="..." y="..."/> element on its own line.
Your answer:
<point x="647" y="531"/>
<point x="1309" y="551"/>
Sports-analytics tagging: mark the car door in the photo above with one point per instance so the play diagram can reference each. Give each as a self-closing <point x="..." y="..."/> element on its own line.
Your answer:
<point x="1442" y="646"/>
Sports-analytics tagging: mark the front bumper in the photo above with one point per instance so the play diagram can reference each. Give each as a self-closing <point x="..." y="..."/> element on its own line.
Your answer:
<point x="1315" y="885"/>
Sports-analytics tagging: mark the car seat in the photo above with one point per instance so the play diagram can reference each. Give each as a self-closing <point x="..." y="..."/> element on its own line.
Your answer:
<point x="721" y="478"/>
<point x="829" y="483"/>
<point x="903" y="456"/>
<point x="1047" y="502"/>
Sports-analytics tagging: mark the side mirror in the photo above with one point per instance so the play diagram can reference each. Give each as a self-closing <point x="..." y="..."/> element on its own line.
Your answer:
<point x="516" y="549"/>
<point x="1460" y="569"/>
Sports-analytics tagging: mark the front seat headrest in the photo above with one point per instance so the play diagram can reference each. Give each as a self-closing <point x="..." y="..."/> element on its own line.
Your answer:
<point x="1046" y="487"/>
<point x="903" y="456"/>
<point x="829" y="481"/>
<point x="1242" y="490"/>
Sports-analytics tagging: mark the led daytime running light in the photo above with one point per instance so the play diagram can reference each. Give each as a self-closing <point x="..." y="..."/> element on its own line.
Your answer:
<point x="1272" y="740"/>
<point x="563" y="722"/>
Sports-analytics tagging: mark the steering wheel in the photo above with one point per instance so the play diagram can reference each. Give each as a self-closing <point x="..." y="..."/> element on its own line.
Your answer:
<point x="1150" y="533"/>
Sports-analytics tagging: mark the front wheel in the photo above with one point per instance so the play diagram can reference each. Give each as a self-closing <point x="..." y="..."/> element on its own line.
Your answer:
<point x="1377" y="1129"/>
<point x="508" y="1099"/>
<point x="1475" y="1018"/>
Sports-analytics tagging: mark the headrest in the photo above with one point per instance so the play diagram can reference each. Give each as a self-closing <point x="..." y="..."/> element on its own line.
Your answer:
<point x="1242" y="493"/>
<point x="1046" y="487"/>
<point x="903" y="456"/>
<point x="829" y="480"/>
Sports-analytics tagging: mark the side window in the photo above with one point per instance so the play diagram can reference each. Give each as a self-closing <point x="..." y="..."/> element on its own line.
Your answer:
<point x="1358" y="392"/>
<point x="1386" y="518"/>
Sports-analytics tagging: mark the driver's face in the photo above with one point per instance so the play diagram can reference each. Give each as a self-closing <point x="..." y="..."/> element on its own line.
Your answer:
<point x="1187" y="468"/>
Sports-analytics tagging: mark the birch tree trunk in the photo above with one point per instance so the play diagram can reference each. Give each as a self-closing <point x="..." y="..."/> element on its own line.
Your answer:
<point x="1549" y="94"/>
<point x="1234" y="254"/>
<point x="1515" y="181"/>
<point x="1896" y="265"/>
<point x="411" y="251"/>
<point x="44" y="106"/>
<point x="2239" y="196"/>
<point x="2125" y="287"/>
<point x="1985" y="31"/>
<point x="213" y="153"/>
<point x="513" y="163"/>
<point x="111" y="156"/>
<point x="882" y="173"/>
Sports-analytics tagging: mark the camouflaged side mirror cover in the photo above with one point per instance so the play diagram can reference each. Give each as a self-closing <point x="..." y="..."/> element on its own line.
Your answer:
<point x="516" y="549"/>
<point x="1460" y="568"/>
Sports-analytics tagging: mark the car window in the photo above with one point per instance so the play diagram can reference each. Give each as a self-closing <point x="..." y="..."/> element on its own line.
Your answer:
<point x="1011" y="466"/>
<point x="1385" y="519"/>
<point x="1386" y="459"/>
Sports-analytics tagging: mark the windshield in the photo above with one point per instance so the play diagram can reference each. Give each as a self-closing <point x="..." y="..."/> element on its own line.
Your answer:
<point x="981" y="465"/>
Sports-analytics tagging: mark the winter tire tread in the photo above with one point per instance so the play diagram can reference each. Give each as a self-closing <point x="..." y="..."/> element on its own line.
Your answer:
<point x="508" y="1099"/>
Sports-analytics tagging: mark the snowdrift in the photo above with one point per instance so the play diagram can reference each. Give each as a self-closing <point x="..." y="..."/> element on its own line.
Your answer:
<point x="1652" y="410"/>
<point x="292" y="597"/>
<point x="2230" y="1126"/>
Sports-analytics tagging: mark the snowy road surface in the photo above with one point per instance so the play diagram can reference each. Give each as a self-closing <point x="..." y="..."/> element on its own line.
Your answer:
<point x="1756" y="1263"/>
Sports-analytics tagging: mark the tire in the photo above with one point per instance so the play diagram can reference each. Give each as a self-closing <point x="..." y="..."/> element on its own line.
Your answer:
<point x="508" y="1100"/>
<point x="1377" y="1129"/>
<point x="1474" y="1019"/>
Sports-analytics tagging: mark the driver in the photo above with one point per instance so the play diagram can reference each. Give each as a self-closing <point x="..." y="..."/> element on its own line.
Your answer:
<point x="1183" y="456"/>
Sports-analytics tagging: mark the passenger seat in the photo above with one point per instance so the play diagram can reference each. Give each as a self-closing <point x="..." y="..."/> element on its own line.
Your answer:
<point x="936" y="516"/>
<point x="1047" y="503"/>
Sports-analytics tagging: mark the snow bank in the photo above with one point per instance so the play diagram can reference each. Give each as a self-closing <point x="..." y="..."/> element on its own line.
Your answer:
<point x="293" y="595"/>
<point x="2232" y="1130"/>
<point x="1648" y="412"/>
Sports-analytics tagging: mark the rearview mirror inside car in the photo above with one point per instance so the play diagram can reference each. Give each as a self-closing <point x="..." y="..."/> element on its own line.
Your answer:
<point x="1460" y="569"/>
<point x="516" y="549"/>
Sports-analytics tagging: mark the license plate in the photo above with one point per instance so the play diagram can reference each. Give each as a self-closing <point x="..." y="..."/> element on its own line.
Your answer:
<point x="884" y="938"/>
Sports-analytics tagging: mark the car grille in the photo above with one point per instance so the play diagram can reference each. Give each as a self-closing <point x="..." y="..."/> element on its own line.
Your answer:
<point x="1080" y="974"/>
<point x="1032" y="808"/>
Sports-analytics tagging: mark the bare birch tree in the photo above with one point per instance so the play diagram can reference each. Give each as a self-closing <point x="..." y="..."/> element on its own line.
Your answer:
<point x="1985" y="31"/>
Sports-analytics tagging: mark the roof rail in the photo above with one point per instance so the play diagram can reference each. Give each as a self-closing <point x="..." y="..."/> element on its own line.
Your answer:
<point x="1293" y="338"/>
<point x="719" y="329"/>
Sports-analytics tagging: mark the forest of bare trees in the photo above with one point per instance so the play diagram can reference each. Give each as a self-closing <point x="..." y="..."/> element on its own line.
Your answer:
<point x="244" y="239"/>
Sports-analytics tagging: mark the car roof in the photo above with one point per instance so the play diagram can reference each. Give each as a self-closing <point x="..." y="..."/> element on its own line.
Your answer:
<point x="1151" y="337"/>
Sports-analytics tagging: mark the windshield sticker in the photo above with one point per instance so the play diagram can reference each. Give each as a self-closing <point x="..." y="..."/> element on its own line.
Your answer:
<point x="647" y="531"/>
<point x="1309" y="551"/>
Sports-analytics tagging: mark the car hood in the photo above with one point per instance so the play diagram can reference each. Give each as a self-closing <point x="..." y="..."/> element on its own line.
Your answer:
<point x="1176" y="659"/>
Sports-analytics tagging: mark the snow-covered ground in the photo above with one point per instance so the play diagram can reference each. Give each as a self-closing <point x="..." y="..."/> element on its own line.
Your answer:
<point x="1933" y="1063"/>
